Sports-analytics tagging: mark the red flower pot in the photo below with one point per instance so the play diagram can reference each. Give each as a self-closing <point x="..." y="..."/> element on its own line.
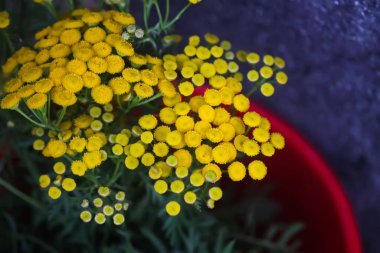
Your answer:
<point x="308" y="191"/>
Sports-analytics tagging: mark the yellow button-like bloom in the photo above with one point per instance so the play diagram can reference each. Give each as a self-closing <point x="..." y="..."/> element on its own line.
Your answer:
<point x="4" y="19"/>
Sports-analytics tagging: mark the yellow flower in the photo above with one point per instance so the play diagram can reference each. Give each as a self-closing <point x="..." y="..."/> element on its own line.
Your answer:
<point x="186" y="88"/>
<point x="148" y="77"/>
<point x="250" y="148"/>
<point x="102" y="94"/>
<point x="160" y="186"/>
<point x="268" y="60"/>
<point x="212" y="169"/>
<point x="184" y="158"/>
<point x="177" y="186"/>
<point x="4" y="19"/>
<point x="113" y="26"/>
<point x="215" y="135"/>
<point x="148" y="159"/>
<point x="56" y="148"/>
<point x="280" y="63"/>
<point x="78" y="168"/>
<point x="92" y="159"/>
<point x="201" y="127"/>
<point x="115" y="64"/>
<point x="197" y="179"/>
<point x="25" y="91"/>
<point x="143" y="90"/>
<point x="281" y="78"/>
<point x="30" y="74"/>
<point x="194" y="40"/>
<point x="97" y="65"/>
<point x="208" y="70"/>
<point x="119" y="85"/>
<point x="148" y="122"/>
<point x="131" y="162"/>
<point x="73" y="82"/>
<point x="277" y="140"/>
<point x="94" y="143"/>
<point x="70" y="37"/>
<point x="102" y="49"/>
<point x="261" y="135"/>
<point x="9" y="66"/>
<point x="10" y="101"/>
<point x="203" y="154"/>
<point x="92" y="18"/>
<point x="203" y="53"/>
<point x="267" y="149"/>
<point x="206" y="113"/>
<point x="168" y="115"/>
<point x="219" y="154"/>
<point x="136" y="149"/>
<point x="228" y="131"/>
<point x="192" y="139"/>
<point x="221" y="66"/>
<point x="76" y="66"/>
<point x="160" y="133"/>
<point x="174" y="138"/>
<point x="86" y="216"/>
<point x="38" y="145"/>
<point x="43" y="85"/>
<point x="68" y="184"/>
<point x="94" y="35"/>
<point x="78" y="144"/>
<point x="160" y="149"/>
<point x="217" y="51"/>
<point x="212" y="97"/>
<point x="59" y="168"/>
<point x="190" y="197"/>
<point x="182" y="108"/>
<point x="173" y="208"/>
<point x="184" y="123"/>
<point x="63" y="97"/>
<point x="266" y="72"/>
<point x="44" y="181"/>
<point x="241" y="103"/>
<point x="253" y="75"/>
<point x="146" y="137"/>
<point x="83" y="53"/>
<point x="257" y="170"/>
<point x="59" y="51"/>
<point x="132" y="75"/>
<point x="215" y="193"/>
<point x="252" y="119"/>
<point x="54" y="192"/>
<point x="236" y="171"/>
<point x="124" y="18"/>
<point x="37" y="101"/>
<point x="90" y="79"/>
<point x="124" y="48"/>
<point x="253" y="58"/>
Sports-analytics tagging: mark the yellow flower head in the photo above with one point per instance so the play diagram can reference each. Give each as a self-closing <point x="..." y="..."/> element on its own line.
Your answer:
<point x="4" y="19"/>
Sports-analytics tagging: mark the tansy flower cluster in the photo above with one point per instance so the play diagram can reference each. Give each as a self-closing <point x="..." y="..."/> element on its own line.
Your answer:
<point x="104" y="111"/>
<point x="107" y="205"/>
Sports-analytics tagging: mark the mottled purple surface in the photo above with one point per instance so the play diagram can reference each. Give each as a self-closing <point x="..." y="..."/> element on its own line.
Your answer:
<point x="332" y="49"/>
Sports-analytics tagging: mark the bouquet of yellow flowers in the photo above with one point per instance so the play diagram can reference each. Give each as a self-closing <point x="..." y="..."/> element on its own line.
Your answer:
<point x="124" y="124"/>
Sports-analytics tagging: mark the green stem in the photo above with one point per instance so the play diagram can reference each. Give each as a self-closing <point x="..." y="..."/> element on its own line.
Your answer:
<point x="146" y="14"/>
<point x="8" y="40"/>
<point x="116" y="173"/>
<point x="19" y="194"/>
<point x="61" y="115"/>
<point x="158" y="12"/>
<point x="71" y="4"/>
<point x="29" y="119"/>
<point x="167" y="12"/>
<point x="255" y="87"/>
<point x="51" y="9"/>
<point x="176" y="18"/>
